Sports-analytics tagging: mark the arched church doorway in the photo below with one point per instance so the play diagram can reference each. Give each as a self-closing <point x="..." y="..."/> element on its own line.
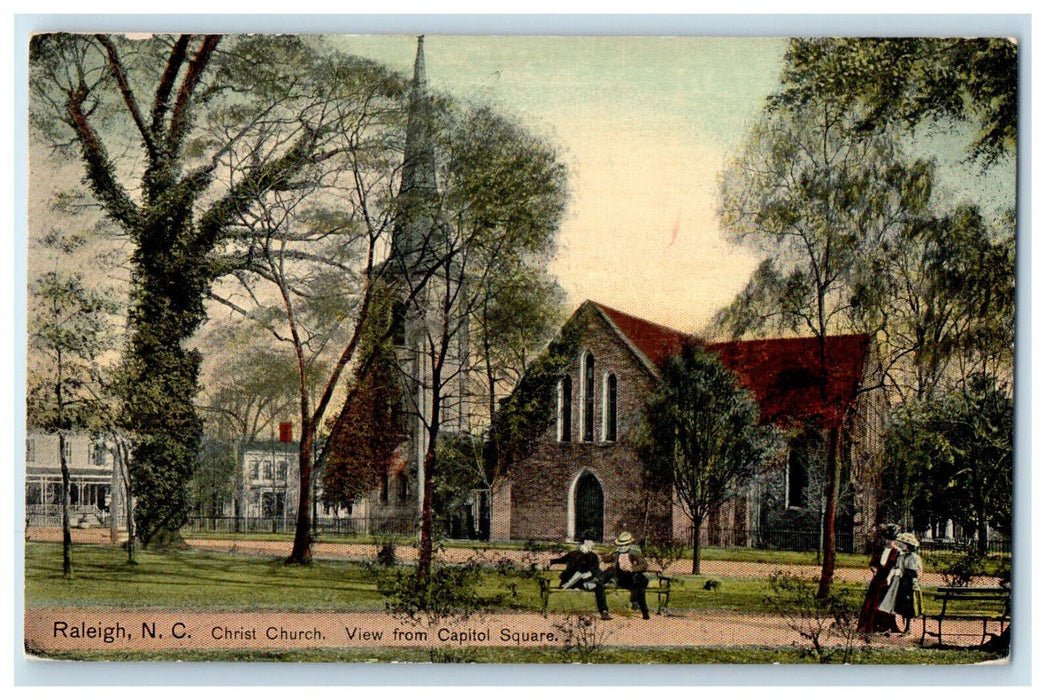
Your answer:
<point x="588" y="508"/>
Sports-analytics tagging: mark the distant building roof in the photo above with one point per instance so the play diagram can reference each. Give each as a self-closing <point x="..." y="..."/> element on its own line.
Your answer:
<point x="784" y="374"/>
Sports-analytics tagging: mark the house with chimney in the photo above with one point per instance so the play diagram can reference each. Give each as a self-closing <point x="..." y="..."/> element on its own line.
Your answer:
<point x="583" y="479"/>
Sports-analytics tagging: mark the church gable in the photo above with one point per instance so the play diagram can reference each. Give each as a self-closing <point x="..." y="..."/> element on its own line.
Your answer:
<point x="607" y="378"/>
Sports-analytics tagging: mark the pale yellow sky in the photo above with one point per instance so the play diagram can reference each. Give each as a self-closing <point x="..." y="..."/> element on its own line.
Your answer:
<point x="645" y="125"/>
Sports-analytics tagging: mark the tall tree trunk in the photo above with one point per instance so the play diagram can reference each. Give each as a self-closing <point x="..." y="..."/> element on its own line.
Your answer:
<point x="115" y="485"/>
<point x="67" y="535"/>
<point x="833" y="485"/>
<point x="696" y="544"/>
<point x="427" y="519"/>
<point x="981" y="532"/>
<point x="301" y="551"/>
<point x="121" y="458"/>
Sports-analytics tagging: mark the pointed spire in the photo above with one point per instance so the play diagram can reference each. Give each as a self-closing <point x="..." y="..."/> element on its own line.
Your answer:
<point x="420" y="80"/>
<point x="417" y="191"/>
<point x="419" y="166"/>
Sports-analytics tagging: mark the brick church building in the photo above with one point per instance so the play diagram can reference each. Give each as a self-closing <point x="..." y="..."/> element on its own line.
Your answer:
<point x="583" y="478"/>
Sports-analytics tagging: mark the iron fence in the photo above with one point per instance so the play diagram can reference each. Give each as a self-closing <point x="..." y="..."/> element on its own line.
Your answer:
<point x="351" y="527"/>
<point x="50" y="515"/>
<point x="793" y="540"/>
<point x="1001" y="547"/>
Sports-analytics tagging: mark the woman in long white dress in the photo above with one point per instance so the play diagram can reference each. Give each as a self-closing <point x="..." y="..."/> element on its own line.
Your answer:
<point x="903" y="597"/>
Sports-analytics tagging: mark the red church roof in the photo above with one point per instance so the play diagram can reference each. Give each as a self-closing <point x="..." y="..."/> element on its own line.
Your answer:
<point x="786" y="377"/>
<point x="784" y="374"/>
<point x="657" y="343"/>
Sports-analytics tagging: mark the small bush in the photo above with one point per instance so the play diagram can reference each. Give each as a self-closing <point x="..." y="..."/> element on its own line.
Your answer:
<point x="583" y="636"/>
<point x="385" y="545"/>
<point x="960" y="568"/>
<point x="664" y="551"/>
<point x="817" y="620"/>
<point x="449" y="593"/>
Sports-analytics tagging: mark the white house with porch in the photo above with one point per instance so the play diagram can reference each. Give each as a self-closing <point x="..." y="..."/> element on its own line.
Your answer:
<point x="94" y="480"/>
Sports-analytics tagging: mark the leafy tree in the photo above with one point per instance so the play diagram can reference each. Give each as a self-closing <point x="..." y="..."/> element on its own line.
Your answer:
<point x="501" y="197"/>
<point x="699" y="433"/>
<point x="250" y="387"/>
<point x="951" y="457"/>
<point x="906" y="82"/>
<point x="214" y="481"/>
<point x="314" y="280"/>
<point x="69" y="332"/>
<point x="940" y="299"/>
<point x="815" y="197"/>
<point x="517" y="314"/>
<point x="202" y="125"/>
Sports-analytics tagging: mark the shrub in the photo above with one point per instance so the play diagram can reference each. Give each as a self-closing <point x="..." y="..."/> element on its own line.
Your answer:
<point x="817" y="620"/>
<point x="385" y="546"/>
<point x="960" y="568"/>
<point x="663" y="551"/>
<point x="583" y="636"/>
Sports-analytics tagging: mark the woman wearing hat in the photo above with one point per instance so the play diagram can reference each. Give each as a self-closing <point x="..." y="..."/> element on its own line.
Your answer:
<point x="904" y="592"/>
<point x="882" y="562"/>
<point x="629" y="571"/>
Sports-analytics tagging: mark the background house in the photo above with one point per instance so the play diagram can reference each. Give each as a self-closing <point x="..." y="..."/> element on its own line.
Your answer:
<point x="270" y="480"/>
<point x="96" y="487"/>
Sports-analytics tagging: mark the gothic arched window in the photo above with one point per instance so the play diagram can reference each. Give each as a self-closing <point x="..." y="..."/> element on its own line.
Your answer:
<point x="398" y="323"/>
<point x="797" y="475"/>
<point x="610" y="409"/>
<point x="588" y="387"/>
<point x="563" y="410"/>
<point x="402" y="483"/>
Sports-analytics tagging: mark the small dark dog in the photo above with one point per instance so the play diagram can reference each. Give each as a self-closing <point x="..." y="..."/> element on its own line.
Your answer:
<point x="711" y="585"/>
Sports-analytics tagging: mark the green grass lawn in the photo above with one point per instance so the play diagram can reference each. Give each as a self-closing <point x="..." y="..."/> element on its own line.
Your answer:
<point x="217" y="581"/>
<point x="193" y="579"/>
<point x="764" y="556"/>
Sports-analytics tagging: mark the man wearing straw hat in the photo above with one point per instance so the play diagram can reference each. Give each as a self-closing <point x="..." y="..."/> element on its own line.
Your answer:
<point x="629" y="571"/>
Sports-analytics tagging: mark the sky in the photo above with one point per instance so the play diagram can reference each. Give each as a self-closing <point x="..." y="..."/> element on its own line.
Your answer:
<point x="644" y="125"/>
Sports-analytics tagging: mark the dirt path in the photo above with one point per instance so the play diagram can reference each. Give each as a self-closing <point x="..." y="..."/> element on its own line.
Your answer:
<point x="54" y="629"/>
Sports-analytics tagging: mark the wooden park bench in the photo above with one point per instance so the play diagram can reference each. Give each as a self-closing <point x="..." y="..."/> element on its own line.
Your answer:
<point x="550" y="586"/>
<point x="986" y="605"/>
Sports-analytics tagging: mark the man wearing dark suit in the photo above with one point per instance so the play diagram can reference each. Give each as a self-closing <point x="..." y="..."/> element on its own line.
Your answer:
<point x="583" y="571"/>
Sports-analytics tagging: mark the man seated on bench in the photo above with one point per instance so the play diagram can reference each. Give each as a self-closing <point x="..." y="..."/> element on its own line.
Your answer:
<point x="583" y="571"/>
<point x="630" y="571"/>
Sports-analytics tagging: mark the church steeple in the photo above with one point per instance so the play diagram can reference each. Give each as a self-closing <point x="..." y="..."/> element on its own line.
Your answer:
<point x="417" y="217"/>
